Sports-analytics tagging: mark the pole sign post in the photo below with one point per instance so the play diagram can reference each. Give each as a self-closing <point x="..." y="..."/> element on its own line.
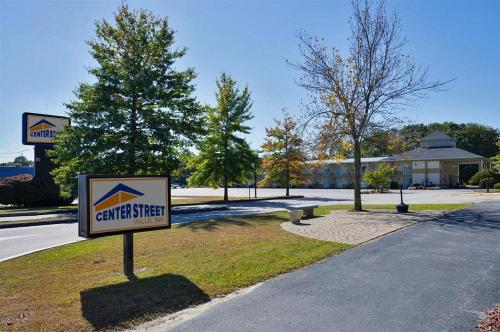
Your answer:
<point x="109" y="205"/>
<point x="41" y="129"/>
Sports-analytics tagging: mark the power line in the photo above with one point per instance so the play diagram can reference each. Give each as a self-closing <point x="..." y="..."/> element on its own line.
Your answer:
<point x="15" y="152"/>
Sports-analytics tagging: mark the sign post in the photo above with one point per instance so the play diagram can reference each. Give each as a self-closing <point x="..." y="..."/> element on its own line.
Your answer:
<point x="110" y="205"/>
<point x="128" y="254"/>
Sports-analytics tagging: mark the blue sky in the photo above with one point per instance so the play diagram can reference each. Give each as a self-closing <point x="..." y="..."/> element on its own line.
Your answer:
<point x="43" y="54"/>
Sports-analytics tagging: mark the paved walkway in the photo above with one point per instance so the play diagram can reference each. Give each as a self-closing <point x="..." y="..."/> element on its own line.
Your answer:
<point x="439" y="275"/>
<point x="356" y="227"/>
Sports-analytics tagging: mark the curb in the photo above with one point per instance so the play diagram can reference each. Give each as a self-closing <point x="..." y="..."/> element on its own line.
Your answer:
<point x="241" y="200"/>
<point x="15" y="224"/>
<point x="28" y="214"/>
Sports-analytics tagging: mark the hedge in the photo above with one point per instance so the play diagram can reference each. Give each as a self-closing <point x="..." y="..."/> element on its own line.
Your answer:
<point x="25" y="190"/>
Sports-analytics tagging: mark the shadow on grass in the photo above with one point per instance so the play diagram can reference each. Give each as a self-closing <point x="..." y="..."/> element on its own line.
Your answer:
<point x="215" y="224"/>
<point x="113" y="306"/>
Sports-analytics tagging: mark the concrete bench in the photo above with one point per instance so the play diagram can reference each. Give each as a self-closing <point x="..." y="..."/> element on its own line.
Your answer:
<point x="296" y="212"/>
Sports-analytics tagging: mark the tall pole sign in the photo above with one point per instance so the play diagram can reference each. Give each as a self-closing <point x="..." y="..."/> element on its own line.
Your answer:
<point x="40" y="130"/>
<point x="110" y="205"/>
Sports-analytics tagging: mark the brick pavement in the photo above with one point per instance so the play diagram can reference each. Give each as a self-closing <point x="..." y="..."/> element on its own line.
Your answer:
<point x="356" y="227"/>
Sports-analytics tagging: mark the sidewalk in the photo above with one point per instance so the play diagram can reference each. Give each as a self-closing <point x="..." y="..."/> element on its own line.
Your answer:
<point x="357" y="227"/>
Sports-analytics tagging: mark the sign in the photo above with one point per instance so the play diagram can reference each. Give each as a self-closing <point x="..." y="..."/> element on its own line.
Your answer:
<point x="117" y="205"/>
<point x="41" y="129"/>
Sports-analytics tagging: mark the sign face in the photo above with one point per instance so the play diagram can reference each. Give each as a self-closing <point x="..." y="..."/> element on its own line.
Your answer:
<point x="41" y="129"/>
<point x="114" y="205"/>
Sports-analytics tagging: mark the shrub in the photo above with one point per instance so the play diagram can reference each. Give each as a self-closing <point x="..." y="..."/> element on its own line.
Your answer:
<point x="24" y="190"/>
<point x="380" y="177"/>
<point x="497" y="185"/>
<point x="485" y="176"/>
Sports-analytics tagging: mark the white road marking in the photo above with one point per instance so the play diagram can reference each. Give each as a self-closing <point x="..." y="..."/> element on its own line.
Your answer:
<point x="17" y="237"/>
<point x="39" y="249"/>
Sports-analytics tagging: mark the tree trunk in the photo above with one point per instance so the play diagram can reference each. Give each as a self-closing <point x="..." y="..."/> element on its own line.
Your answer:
<point x="357" y="176"/>
<point x="288" y="179"/>
<point x="255" y="180"/>
<point x="226" y="144"/>
<point x="226" y="196"/>
<point x="133" y="137"/>
<point x="287" y="161"/>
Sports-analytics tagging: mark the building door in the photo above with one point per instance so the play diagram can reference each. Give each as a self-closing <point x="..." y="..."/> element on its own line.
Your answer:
<point x="466" y="171"/>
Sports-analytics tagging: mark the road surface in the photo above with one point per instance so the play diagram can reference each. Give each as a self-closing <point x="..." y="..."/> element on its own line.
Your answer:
<point x="435" y="276"/>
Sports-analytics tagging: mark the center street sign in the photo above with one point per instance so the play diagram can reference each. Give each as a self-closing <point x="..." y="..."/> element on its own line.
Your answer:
<point x="109" y="205"/>
<point x="41" y="129"/>
<point x="122" y="204"/>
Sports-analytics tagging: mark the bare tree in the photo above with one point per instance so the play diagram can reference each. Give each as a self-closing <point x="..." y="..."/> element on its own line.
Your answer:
<point x="355" y="94"/>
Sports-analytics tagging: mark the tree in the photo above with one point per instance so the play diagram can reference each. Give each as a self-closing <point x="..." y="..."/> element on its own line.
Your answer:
<point x="139" y="115"/>
<point x="379" y="177"/>
<point x="495" y="160"/>
<point x="225" y="158"/>
<point x="284" y="158"/>
<point x="23" y="161"/>
<point x="181" y="174"/>
<point x="353" y="95"/>
<point x="383" y="143"/>
<point x="485" y="177"/>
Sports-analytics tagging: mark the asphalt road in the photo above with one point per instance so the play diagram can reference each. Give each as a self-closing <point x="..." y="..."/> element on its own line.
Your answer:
<point x="436" y="276"/>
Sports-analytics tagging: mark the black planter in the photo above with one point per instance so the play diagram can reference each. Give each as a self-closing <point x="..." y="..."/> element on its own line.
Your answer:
<point x="402" y="208"/>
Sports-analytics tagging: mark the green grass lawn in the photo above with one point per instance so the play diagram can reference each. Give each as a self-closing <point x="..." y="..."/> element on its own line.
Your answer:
<point x="81" y="286"/>
<point x="7" y="210"/>
<point x="413" y="207"/>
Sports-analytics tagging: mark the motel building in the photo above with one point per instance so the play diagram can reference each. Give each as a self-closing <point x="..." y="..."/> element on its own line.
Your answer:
<point x="436" y="162"/>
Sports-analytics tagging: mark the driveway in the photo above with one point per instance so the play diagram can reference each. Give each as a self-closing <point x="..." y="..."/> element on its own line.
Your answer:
<point x="439" y="275"/>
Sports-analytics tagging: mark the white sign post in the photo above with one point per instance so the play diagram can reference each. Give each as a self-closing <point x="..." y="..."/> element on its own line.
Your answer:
<point x="110" y="205"/>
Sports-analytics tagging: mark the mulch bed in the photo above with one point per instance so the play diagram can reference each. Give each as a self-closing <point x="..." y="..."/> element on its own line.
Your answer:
<point x="492" y="321"/>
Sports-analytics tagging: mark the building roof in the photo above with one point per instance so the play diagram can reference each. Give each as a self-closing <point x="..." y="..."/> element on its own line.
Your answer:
<point x="435" y="146"/>
<point x="437" y="136"/>
<point x="437" y="139"/>
<point x="348" y="160"/>
<point x="435" y="154"/>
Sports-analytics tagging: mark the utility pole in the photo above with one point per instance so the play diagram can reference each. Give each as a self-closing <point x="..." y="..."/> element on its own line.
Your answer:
<point x="255" y="178"/>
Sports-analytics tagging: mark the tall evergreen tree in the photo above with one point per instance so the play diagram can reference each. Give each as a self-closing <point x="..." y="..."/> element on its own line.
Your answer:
<point x="224" y="157"/>
<point x="284" y="157"/>
<point x="140" y="114"/>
